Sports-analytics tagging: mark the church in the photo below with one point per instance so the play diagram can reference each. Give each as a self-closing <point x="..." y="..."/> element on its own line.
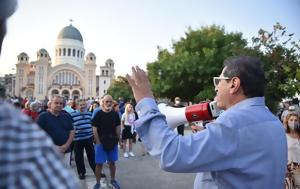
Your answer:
<point x="72" y="74"/>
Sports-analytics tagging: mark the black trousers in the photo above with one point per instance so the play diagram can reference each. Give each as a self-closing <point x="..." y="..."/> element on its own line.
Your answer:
<point x="79" y="147"/>
<point x="180" y="130"/>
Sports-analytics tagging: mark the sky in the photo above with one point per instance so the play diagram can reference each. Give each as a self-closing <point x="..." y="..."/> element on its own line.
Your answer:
<point x="129" y="31"/>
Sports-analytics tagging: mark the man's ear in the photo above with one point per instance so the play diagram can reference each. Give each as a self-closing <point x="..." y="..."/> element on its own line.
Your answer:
<point x="235" y="85"/>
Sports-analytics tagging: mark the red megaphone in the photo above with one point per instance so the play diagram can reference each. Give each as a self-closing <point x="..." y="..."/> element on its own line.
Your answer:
<point x="178" y="116"/>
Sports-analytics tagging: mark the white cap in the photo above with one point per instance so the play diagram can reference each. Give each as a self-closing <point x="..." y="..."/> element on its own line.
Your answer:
<point x="7" y="8"/>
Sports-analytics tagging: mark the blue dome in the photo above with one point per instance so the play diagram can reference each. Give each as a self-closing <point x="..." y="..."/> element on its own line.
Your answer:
<point x="70" y="32"/>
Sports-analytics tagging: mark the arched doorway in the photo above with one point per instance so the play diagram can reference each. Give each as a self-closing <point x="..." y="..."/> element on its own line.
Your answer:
<point x="66" y="94"/>
<point x="75" y="94"/>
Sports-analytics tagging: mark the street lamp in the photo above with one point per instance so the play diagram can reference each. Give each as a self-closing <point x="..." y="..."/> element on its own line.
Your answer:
<point x="159" y="76"/>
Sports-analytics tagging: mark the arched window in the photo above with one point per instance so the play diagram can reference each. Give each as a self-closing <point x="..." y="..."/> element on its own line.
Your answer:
<point x="77" y="53"/>
<point x="69" y="52"/>
<point x="74" y="52"/>
<point x="81" y="54"/>
<point x="64" y="51"/>
<point x="54" y="92"/>
<point x="106" y="72"/>
<point x="41" y="54"/>
<point x="59" y="51"/>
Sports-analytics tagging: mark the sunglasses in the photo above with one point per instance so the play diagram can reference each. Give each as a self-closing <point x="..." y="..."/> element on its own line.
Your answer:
<point x="218" y="79"/>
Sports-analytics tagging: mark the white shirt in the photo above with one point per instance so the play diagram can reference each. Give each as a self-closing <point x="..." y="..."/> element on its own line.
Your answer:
<point x="293" y="149"/>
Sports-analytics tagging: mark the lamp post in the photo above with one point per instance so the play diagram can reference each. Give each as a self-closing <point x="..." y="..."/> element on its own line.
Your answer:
<point x="159" y="76"/>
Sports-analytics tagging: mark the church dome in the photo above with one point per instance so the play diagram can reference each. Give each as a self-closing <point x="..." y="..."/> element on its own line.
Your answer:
<point x="23" y="54"/>
<point x="42" y="50"/>
<point x="70" y="32"/>
<point x="23" y="57"/>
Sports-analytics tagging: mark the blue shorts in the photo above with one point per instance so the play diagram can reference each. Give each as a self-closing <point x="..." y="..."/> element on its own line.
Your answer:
<point x="101" y="156"/>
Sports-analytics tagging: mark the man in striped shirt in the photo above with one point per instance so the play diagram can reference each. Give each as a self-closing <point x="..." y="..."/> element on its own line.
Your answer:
<point x="83" y="137"/>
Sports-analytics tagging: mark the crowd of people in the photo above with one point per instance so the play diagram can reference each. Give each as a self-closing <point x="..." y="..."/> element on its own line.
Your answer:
<point x="95" y="127"/>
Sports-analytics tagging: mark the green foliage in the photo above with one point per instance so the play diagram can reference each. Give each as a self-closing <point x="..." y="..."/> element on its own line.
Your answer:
<point x="196" y="58"/>
<point x="280" y="54"/>
<point x="120" y="88"/>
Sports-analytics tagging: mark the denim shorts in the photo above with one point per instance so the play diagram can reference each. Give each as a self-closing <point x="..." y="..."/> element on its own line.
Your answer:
<point x="101" y="156"/>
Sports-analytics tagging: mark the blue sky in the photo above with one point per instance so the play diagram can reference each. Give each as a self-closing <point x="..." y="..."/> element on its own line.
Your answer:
<point x="129" y="31"/>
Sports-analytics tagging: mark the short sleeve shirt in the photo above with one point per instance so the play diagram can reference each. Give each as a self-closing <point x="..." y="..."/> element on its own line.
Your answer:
<point x="106" y="122"/>
<point x="57" y="127"/>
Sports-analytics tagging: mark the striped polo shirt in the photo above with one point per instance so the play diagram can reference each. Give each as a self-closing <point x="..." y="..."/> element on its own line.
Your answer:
<point x="82" y="125"/>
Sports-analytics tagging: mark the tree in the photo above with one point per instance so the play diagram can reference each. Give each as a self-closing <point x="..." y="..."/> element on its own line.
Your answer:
<point x="196" y="58"/>
<point x="280" y="54"/>
<point x="120" y="88"/>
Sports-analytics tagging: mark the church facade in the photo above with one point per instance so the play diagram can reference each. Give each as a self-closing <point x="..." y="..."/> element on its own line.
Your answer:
<point x="72" y="74"/>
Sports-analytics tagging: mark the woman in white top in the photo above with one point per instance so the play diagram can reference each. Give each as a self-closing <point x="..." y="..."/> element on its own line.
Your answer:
<point x="291" y="124"/>
<point x="293" y="137"/>
<point x="127" y="126"/>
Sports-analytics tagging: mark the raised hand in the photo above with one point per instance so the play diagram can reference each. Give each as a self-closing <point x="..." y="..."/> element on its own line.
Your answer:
<point x="140" y="84"/>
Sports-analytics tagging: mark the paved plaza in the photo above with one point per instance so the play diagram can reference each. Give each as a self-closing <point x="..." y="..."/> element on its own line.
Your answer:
<point x="142" y="172"/>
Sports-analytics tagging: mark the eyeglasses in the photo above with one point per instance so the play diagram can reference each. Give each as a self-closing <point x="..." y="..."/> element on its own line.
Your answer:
<point x="218" y="79"/>
<point x="108" y="101"/>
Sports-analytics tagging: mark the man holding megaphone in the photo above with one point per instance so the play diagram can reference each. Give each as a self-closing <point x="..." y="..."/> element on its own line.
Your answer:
<point x="245" y="147"/>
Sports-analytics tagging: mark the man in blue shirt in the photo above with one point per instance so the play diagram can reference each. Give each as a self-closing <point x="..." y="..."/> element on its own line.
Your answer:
<point x="98" y="108"/>
<point x="245" y="147"/>
<point x="59" y="126"/>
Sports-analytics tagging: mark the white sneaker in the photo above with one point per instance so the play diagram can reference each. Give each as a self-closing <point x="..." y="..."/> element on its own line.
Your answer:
<point x="125" y="155"/>
<point x="131" y="154"/>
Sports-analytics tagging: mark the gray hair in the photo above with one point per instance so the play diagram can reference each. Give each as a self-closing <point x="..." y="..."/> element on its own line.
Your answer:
<point x="35" y="105"/>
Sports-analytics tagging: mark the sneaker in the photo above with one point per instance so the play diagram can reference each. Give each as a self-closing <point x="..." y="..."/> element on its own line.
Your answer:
<point x="97" y="186"/>
<point x="125" y="155"/>
<point x="115" y="184"/>
<point x="131" y="154"/>
<point x="81" y="176"/>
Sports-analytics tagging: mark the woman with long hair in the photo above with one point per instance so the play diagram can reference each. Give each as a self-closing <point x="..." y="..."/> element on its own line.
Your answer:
<point x="128" y="129"/>
<point x="292" y="127"/>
